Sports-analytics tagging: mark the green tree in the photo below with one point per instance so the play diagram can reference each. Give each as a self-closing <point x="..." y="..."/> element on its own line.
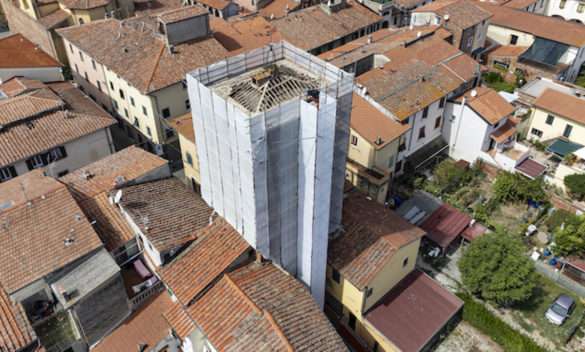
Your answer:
<point x="575" y="185"/>
<point x="495" y="268"/>
<point x="570" y="239"/>
<point x="509" y="187"/>
<point x="449" y="176"/>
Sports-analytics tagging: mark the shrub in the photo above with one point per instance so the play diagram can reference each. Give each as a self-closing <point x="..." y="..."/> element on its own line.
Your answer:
<point x="495" y="268"/>
<point x="570" y="239"/>
<point x="559" y="217"/>
<point x="449" y="177"/>
<point x="575" y="185"/>
<point x="510" y="187"/>
<point x="482" y="319"/>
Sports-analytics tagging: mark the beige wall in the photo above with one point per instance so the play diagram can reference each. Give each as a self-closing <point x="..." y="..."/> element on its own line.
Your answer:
<point x="362" y="152"/>
<point x="191" y="170"/>
<point x="502" y="35"/>
<point x="538" y="121"/>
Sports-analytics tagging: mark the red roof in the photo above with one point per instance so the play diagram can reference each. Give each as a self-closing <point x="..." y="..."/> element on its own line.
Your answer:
<point x="474" y="231"/>
<point x="414" y="311"/>
<point x="445" y="224"/>
<point x="578" y="264"/>
<point x="531" y="168"/>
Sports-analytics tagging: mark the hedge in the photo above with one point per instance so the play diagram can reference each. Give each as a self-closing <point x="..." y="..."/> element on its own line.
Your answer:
<point x="500" y="332"/>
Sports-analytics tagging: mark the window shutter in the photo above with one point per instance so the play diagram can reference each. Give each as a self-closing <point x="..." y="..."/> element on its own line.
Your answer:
<point x="29" y="164"/>
<point x="63" y="151"/>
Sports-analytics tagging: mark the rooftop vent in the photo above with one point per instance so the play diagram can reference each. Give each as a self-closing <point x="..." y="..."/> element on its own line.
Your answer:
<point x="86" y="175"/>
<point x="119" y="181"/>
<point x="379" y="141"/>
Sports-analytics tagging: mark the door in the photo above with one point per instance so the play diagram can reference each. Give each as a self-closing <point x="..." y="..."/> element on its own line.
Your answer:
<point x="568" y="130"/>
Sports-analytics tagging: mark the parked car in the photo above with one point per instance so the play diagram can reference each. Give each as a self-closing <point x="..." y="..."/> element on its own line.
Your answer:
<point x="560" y="310"/>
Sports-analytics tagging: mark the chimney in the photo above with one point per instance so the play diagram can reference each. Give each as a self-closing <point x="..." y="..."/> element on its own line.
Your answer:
<point x="369" y="39"/>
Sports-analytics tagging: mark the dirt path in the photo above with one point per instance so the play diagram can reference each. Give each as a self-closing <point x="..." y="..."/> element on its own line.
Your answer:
<point x="466" y="338"/>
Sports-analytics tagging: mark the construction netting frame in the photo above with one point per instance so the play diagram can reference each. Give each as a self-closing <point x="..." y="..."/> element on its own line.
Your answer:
<point x="277" y="176"/>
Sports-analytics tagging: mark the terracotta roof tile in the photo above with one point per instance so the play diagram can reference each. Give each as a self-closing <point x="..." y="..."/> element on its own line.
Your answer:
<point x="19" y="85"/>
<point x="130" y="164"/>
<point x="244" y="34"/>
<point x="179" y="320"/>
<point x="372" y="124"/>
<point x="216" y="4"/>
<point x="132" y="50"/>
<point x="167" y="213"/>
<point x="180" y="14"/>
<point x="445" y="224"/>
<point x="33" y="234"/>
<point x="184" y="126"/>
<point x="508" y="51"/>
<point x="462" y="14"/>
<point x="324" y="28"/>
<point x="218" y="246"/>
<point x="507" y="130"/>
<point x="18" y="52"/>
<point x="561" y="104"/>
<point x="26" y="106"/>
<point x="279" y="8"/>
<point x="371" y="236"/>
<point x="519" y="4"/>
<point x="145" y="326"/>
<point x="261" y="308"/>
<point x="85" y="4"/>
<point x="551" y="28"/>
<point x="110" y="225"/>
<point x="488" y="104"/>
<point x="55" y="19"/>
<point x="16" y="332"/>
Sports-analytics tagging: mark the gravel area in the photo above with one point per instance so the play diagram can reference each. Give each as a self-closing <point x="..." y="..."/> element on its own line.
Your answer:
<point x="465" y="338"/>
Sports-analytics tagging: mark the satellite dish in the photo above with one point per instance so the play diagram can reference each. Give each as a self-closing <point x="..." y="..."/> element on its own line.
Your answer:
<point x="118" y="196"/>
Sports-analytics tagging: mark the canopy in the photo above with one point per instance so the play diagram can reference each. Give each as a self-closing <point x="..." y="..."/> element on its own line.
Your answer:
<point x="563" y="147"/>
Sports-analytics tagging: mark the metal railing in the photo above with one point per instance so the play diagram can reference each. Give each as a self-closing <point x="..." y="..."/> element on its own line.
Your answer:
<point x="140" y="298"/>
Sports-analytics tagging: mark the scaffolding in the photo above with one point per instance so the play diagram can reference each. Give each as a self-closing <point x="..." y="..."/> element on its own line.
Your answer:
<point x="272" y="131"/>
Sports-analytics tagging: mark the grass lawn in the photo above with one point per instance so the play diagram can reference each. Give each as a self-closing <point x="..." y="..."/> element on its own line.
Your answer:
<point x="502" y="86"/>
<point x="531" y="314"/>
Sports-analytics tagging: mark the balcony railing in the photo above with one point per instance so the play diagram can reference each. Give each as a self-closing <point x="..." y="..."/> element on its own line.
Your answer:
<point x="139" y="299"/>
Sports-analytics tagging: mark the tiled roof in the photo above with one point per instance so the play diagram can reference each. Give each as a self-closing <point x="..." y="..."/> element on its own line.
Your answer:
<point x="75" y="99"/>
<point x="508" y="51"/>
<point x="244" y="34"/>
<point x="110" y="225"/>
<point x="218" y="246"/>
<point x="216" y="4"/>
<point x="19" y="85"/>
<point x="462" y="14"/>
<point x="262" y="308"/>
<point x="167" y="213"/>
<point x="520" y="4"/>
<point x="408" y="4"/>
<point x="132" y="50"/>
<point x="507" y="130"/>
<point x="18" y="52"/>
<point x="414" y="312"/>
<point x="179" y="320"/>
<point x="180" y="14"/>
<point x="84" y="4"/>
<point x="564" y="105"/>
<point x="371" y="236"/>
<point x="372" y="124"/>
<point x="445" y="224"/>
<point x="324" y="27"/>
<point x="488" y="104"/>
<point x="146" y="326"/>
<point x="55" y="19"/>
<point x="16" y="332"/>
<point x="41" y="130"/>
<point x="128" y="164"/>
<point x="555" y="29"/>
<point x="531" y="168"/>
<point x="279" y="8"/>
<point x="41" y="215"/>
<point x="184" y="126"/>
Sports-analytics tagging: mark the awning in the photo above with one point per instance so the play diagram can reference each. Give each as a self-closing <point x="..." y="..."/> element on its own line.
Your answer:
<point x="544" y="51"/>
<point x="580" y="153"/>
<point x="445" y="224"/>
<point x="531" y="168"/>
<point x="563" y="147"/>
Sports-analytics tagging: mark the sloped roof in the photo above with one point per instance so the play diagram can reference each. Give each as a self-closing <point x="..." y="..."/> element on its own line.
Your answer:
<point x="488" y="104"/>
<point x="19" y="85"/>
<point x="262" y="308"/>
<point x="132" y="50"/>
<point x="84" y="4"/>
<point x="551" y="28"/>
<point x="372" y="235"/>
<point x="324" y="27"/>
<point x="243" y="34"/>
<point x="372" y="124"/>
<point x="41" y="215"/>
<point x="16" y="332"/>
<point x="218" y="247"/>
<point x="564" y="105"/>
<point x="18" y="52"/>
<point x="167" y="213"/>
<point x="180" y="14"/>
<point x="462" y="13"/>
<point x="445" y="224"/>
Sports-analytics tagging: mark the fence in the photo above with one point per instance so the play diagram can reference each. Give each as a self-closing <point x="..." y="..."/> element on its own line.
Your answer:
<point x="139" y="299"/>
<point x="559" y="278"/>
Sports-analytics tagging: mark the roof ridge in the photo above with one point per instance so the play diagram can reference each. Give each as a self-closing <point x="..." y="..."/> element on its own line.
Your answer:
<point x="278" y="330"/>
<point x="157" y="62"/>
<point x="240" y="292"/>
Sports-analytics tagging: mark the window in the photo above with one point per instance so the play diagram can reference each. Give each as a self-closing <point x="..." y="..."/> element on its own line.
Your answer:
<point x="398" y="166"/>
<point x="189" y="158"/>
<point x="580" y="7"/>
<point x="550" y="119"/>
<point x="111" y="85"/>
<point x="85" y="76"/>
<point x="535" y="132"/>
<point x="438" y="122"/>
<point x="144" y="110"/>
<point x="187" y="104"/>
<point x="76" y="68"/>
<point x="442" y="103"/>
<point x="81" y="21"/>
<point x="562" y="4"/>
<point x="115" y="105"/>
<point x="99" y="86"/>
<point x="6" y="173"/>
<point x="351" y="321"/>
<point x="425" y="112"/>
<point x="71" y="48"/>
<point x="166" y="112"/>
<point x="391" y="161"/>
<point x="148" y="131"/>
<point x="132" y="101"/>
<point x="121" y="94"/>
<point x="354" y="140"/>
<point x="45" y="159"/>
<point x="26" y="5"/>
<point x="376" y="347"/>
<point x="81" y="56"/>
<point x="136" y="123"/>
<point x="126" y="112"/>
<point x="513" y="39"/>
<point x="405" y="262"/>
<point x="62" y="173"/>
<point x="568" y="130"/>
<point x="335" y="275"/>
<point x="369" y="291"/>
<point x="421" y="133"/>
<point x="93" y="64"/>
